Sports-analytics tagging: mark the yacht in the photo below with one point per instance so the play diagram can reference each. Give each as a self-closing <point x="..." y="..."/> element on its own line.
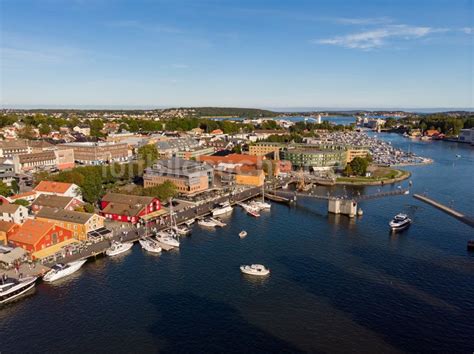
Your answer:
<point x="12" y="288"/>
<point x="255" y="269"/>
<point x="224" y="208"/>
<point x="167" y="238"/>
<point x="118" y="248"/>
<point x="242" y="234"/>
<point x="400" y="222"/>
<point x="149" y="245"/>
<point x="189" y="222"/>
<point x="253" y="212"/>
<point x="261" y="205"/>
<point x="61" y="270"/>
<point x="211" y="222"/>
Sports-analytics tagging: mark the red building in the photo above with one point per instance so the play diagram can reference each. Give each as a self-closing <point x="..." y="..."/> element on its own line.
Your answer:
<point x="128" y="208"/>
<point x="35" y="235"/>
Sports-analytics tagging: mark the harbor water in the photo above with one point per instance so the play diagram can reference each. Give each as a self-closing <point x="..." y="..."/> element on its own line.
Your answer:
<point x="336" y="284"/>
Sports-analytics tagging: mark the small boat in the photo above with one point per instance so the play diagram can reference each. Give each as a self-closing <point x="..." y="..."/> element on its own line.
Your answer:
<point x="242" y="233"/>
<point x="207" y="222"/>
<point x="181" y="230"/>
<point x="458" y="156"/>
<point x="255" y="269"/>
<point x="189" y="222"/>
<point x="360" y="212"/>
<point x="149" y="245"/>
<point x="62" y="270"/>
<point x="400" y="222"/>
<point x="168" y="238"/>
<point x="223" y="209"/>
<point x="12" y="288"/>
<point x="260" y="205"/>
<point x="118" y="248"/>
<point x="253" y="212"/>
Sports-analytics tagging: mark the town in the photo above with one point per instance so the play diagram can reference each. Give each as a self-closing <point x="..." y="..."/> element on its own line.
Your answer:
<point x="78" y="184"/>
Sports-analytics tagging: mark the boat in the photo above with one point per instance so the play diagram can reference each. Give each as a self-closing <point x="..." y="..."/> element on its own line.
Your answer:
<point x="458" y="156"/>
<point x="61" y="270"/>
<point x="255" y="269"/>
<point x="168" y="238"/>
<point x="253" y="212"/>
<point x="400" y="222"/>
<point x="149" y="245"/>
<point x="181" y="230"/>
<point x="12" y="288"/>
<point x="118" y="248"/>
<point x="207" y="222"/>
<point x="189" y="222"/>
<point x="223" y="209"/>
<point x="242" y="233"/>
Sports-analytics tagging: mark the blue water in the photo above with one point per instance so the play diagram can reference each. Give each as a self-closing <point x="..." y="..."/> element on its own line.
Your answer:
<point x="336" y="285"/>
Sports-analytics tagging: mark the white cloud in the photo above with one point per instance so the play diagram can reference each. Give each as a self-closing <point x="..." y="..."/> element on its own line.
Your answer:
<point x="364" y="20"/>
<point x="146" y="27"/>
<point x="377" y="38"/>
<point x="468" y="30"/>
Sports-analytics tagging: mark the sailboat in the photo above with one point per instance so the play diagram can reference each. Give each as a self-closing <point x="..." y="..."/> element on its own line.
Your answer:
<point x="262" y="204"/>
<point x="181" y="230"/>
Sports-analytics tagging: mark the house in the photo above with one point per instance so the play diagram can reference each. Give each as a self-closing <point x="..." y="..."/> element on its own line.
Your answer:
<point x="80" y="224"/>
<point x="28" y="196"/>
<point x="35" y="235"/>
<point x="7" y="229"/>
<point x="13" y="213"/>
<point x="56" y="202"/>
<point x="58" y="188"/>
<point x="128" y="208"/>
<point x="82" y="129"/>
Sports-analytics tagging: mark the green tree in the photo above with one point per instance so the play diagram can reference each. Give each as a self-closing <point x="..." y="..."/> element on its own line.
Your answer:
<point x="5" y="190"/>
<point x="148" y="153"/>
<point x="22" y="202"/>
<point x="162" y="191"/>
<point x="15" y="186"/>
<point x="359" y="166"/>
<point x="26" y="132"/>
<point x="89" y="208"/>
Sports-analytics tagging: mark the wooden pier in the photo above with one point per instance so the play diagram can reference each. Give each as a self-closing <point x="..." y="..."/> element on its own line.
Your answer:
<point x="468" y="220"/>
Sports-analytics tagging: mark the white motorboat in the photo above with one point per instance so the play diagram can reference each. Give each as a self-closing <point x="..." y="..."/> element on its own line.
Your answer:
<point x="255" y="269"/>
<point x="12" y="288"/>
<point x="400" y="222"/>
<point x="211" y="222"/>
<point x="242" y="234"/>
<point x="189" y="222"/>
<point x="181" y="230"/>
<point x="223" y="209"/>
<point x="149" y="245"/>
<point x="167" y="238"/>
<point x="62" y="270"/>
<point x="260" y="205"/>
<point x="118" y="248"/>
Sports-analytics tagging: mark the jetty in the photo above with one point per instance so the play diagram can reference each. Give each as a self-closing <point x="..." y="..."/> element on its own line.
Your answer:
<point x="468" y="220"/>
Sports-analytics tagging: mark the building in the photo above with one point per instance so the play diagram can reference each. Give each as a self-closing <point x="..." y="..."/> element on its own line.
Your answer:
<point x="7" y="173"/>
<point x="35" y="235"/>
<point x="467" y="136"/>
<point x="80" y="224"/>
<point x="190" y="177"/>
<point x="82" y="129"/>
<point x="243" y="169"/>
<point x="13" y="213"/>
<point x="264" y="149"/>
<point x="6" y="230"/>
<point x="91" y="153"/>
<point x="354" y="152"/>
<point x="168" y="147"/>
<point x="35" y="161"/>
<point x="128" y="208"/>
<point x="56" y="202"/>
<point x="58" y="188"/>
<point x="28" y="196"/>
<point x="315" y="159"/>
<point x="64" y="158"/>
<point x="194" y="153"/>
<point x="9" y="148"/>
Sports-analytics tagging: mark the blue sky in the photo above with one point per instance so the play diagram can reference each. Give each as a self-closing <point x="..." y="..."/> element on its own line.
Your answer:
<point x="340" y="54"/>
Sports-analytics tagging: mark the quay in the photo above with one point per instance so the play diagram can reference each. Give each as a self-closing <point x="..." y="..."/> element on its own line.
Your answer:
<point x="468" y="220"/>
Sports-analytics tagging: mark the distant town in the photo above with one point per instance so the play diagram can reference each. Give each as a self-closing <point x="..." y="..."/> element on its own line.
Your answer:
<point x="73" y="181"/>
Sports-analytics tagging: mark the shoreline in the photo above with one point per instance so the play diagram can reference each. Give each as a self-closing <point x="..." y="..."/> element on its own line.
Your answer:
<point x="404" y="175"/>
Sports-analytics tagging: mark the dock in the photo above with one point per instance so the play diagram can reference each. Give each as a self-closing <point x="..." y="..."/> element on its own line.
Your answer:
<point x="468" y="220"/>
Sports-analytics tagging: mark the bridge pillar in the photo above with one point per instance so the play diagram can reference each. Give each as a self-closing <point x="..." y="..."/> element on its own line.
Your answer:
<point x="342" y="206"/>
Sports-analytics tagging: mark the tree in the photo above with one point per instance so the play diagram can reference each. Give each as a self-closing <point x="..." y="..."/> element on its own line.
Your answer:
<point x="359" y="166"/>
<point x="15" y="187"/>
<point x="22" y="202"/>
<point x="148" y="154"/>
<point x="5" y="190"/>
<point x="26" y="132"/>
<point x="44" y="129"/>
<point x="163" y="191"/>
<point x="89" y="208"/>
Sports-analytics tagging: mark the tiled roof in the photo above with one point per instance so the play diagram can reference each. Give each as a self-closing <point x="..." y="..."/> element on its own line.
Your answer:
<point x="31" y="231"/>
<point x="8" y="208"/>
<point x="53" y="187"/>
<point x="6" y="226"/>
<point x="75" y="217"/>
<point x="52" y="201"/>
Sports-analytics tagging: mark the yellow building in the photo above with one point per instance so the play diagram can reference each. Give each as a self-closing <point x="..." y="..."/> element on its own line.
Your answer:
<point x="250" y="178"/>
<point x="352" y="153"/>
<point x="79" y="223"/>
<point x="263" y="149"/>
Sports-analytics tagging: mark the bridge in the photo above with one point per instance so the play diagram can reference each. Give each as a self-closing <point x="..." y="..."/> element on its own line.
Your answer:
<point x="468" y="220"/>
<point x="357" y="198"/>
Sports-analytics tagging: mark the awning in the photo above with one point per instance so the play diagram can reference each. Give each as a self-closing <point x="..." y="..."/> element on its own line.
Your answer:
<point x="155" y="214"/>
<point x="49" y="251"/>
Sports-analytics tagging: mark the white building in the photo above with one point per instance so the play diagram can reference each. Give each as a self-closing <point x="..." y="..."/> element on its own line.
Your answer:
<point x="467" y="135"/>
<point x="13" y="213"/>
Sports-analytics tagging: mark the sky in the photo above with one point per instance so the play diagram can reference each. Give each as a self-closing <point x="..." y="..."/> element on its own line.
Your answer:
<point x="245" y="53"/>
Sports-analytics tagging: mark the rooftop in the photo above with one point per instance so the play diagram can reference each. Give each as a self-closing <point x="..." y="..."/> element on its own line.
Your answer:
<point x="64" y="215"/>
<point x="53" y="187"/>
<point x="31" y="231"/>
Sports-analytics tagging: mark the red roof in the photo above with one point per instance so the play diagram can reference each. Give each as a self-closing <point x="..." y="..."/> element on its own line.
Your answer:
<point x="31" y="232"/>
<point x="22" y="195"/>
<point x="52" y="187"/>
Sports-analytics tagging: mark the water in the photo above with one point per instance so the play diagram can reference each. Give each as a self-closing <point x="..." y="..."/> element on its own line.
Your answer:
<point x="336" y="284"/>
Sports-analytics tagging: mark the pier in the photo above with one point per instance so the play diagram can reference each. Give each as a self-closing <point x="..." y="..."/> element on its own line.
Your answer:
<point x="468" y="220"/>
